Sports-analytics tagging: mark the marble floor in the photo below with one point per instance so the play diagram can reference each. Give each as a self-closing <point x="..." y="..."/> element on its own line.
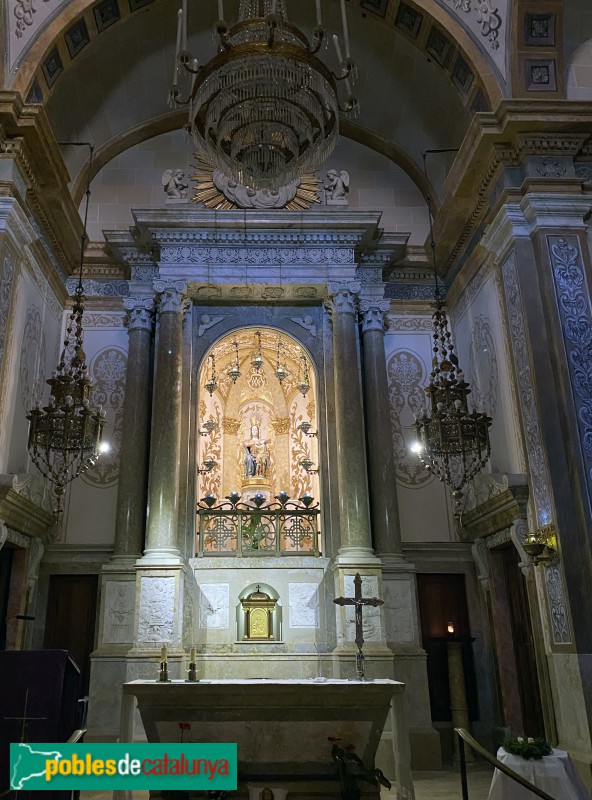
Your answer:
<point x="443" y="785"/>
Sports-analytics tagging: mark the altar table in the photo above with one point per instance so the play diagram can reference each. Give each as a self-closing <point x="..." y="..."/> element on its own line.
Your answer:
<point x="554" y="774"/>
<point x="282" y="727"/>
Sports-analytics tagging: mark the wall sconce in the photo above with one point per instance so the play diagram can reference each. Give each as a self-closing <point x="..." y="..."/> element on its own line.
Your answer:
<point x="210" y="426"/>
<point x="307" y="465"/>
<point x="305" y="428"/>
<point x="541" y="545"/>
<point x="208" y="466"/>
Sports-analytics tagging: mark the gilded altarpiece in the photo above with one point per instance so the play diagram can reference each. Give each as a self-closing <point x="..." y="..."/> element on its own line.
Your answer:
<point x="257" y="445"/>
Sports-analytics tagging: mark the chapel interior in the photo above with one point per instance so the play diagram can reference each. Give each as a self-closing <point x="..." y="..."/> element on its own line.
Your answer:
<point x="266" y="363"/>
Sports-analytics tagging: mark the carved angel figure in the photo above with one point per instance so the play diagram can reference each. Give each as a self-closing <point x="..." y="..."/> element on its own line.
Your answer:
<point x="206" y="322"/>
<point x="336" y="188"/>
<point x="174" y="183"/>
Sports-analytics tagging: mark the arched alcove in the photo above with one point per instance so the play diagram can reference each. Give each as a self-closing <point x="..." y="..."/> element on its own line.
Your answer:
<point x="257" y="444"/>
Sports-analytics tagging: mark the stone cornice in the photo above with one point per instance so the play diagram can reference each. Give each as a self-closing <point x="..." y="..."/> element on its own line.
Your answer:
<point x="19" y="511"/>
<point x="516" y="131"/>
<point x="193" y="226"/>
<point x="499" y="511"/>
<point x="15" y="224"/>
<point x="26" y="136"/>
<point x="522" y="216"/>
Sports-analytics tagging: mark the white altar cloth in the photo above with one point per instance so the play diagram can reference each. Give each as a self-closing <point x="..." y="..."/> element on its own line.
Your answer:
<point x="554" y="774"/>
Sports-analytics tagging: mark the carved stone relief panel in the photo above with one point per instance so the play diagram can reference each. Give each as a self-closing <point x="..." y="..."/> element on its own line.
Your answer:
<point x="539" y="476"/>
<point x="157" y="609"/>
<point x="214" y="601"/>
<point x="32" y="356"/>
<point x="483" y="366"/>
<point x="370" y="614"/>
<point x="407" y="375"/>
<point x="557" y="606"/>
<point x="119" y="612"/>
<point x="108" y="371"/>
<point x="538" y="469"/>
<point x="573" y="300"/>
<point x="304" y="605"/>
<point x="398" y="606"/>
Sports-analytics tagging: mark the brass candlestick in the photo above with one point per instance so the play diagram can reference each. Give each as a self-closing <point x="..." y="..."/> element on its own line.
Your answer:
<point x="163" y="674"/>
<point x="192" y="672"/>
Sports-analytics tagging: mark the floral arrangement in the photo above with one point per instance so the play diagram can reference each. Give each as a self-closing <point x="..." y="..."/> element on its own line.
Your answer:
<point x="527" y="747"/>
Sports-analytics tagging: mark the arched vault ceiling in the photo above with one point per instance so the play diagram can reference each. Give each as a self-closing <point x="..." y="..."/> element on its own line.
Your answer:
<point x="120" y="84"/>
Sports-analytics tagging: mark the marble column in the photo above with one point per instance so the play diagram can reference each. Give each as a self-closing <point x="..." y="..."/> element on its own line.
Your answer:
<point x="165" y="450"/>
<point x="386" y="531"/>
<point x="352" y="479"/>
<point x="133" y="467"/>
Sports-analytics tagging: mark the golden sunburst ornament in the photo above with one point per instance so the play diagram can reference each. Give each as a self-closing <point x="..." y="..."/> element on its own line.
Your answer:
<point x="219" y="192"/>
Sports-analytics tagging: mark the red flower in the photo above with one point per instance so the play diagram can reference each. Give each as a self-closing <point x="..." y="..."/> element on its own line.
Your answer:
<point x="184" y="726"/>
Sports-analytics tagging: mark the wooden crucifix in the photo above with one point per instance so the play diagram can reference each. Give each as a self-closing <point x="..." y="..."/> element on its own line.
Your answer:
<point x="359" y="602"/>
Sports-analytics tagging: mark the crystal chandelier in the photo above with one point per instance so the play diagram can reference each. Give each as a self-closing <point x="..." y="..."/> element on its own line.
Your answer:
<point x="65" y="435"/>
<point x="264" y="110"/>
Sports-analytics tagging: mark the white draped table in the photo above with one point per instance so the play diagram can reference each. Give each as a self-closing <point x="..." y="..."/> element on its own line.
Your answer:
<point x="554" y="774"/>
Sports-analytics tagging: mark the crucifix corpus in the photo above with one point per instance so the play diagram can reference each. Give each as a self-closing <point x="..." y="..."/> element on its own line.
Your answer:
<point x="359" y="602"/>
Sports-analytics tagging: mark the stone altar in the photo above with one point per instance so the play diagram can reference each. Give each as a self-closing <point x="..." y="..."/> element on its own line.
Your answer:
<point x="282" y="727"/>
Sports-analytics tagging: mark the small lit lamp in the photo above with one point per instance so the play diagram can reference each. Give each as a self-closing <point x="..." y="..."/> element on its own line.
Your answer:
<point x="212" y="383"/>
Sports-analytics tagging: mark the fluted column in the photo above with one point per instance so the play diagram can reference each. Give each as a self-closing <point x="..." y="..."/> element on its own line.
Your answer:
<point x="165" y="449"/>
<point x="384" y="508"/>
<point x="349" y="424"/>
<point x="133" y="469"/>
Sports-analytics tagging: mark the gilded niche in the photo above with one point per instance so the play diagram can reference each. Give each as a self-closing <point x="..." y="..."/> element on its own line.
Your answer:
<point x="258" y="608"/>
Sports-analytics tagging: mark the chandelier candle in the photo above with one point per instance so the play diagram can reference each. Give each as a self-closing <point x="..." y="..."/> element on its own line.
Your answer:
<point x="345" y="30"/>
<point x="319" y="14"/>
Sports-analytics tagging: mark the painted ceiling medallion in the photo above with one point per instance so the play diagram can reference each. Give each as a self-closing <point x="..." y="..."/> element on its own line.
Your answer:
<point x="215" y="190"/>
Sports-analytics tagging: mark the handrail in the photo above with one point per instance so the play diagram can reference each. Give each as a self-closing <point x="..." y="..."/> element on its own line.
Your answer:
<point x="465" y="736"/>
<point x="77" y="736"/>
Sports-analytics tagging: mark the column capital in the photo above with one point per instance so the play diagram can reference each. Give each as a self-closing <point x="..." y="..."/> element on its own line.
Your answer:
<point x="172" y="296"/>
<point x="373" y="313"/>
<point x="342" y="297"/>
<point x="140" y="313"/>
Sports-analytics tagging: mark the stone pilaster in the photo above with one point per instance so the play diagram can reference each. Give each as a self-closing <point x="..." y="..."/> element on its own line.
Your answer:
<point x="540" y="243"/>
<point x="165" y="451"/>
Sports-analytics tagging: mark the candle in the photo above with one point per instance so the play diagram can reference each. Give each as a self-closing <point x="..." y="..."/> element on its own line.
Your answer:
<point x="163" y="654"/>
<point x="345" y="30"/>
<point x="220" y="9"/>
<point x="192" y="655"/>
<point x="450" y="628"/>
<point x="338" y="49"/>
<point x="184" y="30"/>
<point x="178" y="47"/>
<point x="319" y="14"/>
